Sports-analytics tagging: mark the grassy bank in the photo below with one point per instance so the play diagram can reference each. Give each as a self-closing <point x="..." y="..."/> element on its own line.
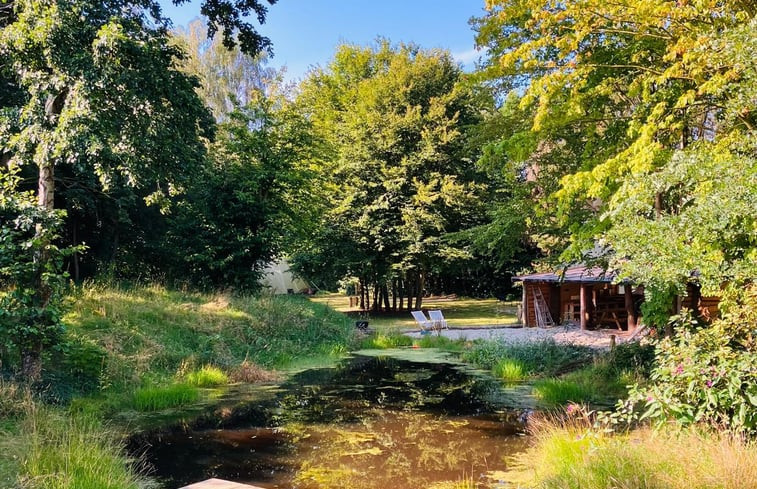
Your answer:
<point x="571" y="456"/>
<point x="142" y="333"/>
<point x="146" y="348"/>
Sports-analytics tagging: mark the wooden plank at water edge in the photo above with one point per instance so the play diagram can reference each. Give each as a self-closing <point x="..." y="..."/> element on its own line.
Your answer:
<point x="219" y="484"/>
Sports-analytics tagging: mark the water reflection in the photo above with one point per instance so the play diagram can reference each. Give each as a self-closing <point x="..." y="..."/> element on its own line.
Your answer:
<point x="370" y="422"/>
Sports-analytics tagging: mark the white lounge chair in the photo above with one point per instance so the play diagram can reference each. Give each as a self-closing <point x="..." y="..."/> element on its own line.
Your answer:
<point x="422" y="321"/>
<point x="437" y="318"/>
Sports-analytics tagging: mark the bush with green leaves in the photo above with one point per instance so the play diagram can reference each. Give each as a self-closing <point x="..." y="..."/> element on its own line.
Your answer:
<point x="705" y="373"/>
<point x="31" y="276"/>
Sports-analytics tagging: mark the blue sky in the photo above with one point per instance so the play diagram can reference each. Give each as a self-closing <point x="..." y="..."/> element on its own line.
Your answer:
<point x="305" y="32"/>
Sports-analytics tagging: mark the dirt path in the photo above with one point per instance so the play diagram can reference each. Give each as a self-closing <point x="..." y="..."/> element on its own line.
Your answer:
<point x="561" y="334"/>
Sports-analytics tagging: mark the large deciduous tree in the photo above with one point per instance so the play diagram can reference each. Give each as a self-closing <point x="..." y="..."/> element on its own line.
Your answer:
<point x="401" y="175"/>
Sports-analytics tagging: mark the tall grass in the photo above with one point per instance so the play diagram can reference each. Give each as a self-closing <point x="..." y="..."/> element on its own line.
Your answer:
<point x="573" y="457"/>
<point x="603" y="382"/>
<point x="207" y="376"/>
<point x="509" y="370"/>
<point x="164" y="397"/>
<point x="152" y="330"/>
<point x="544" y="358"/>
<point x="62" y="452"/>
<point x="382" y="341"/>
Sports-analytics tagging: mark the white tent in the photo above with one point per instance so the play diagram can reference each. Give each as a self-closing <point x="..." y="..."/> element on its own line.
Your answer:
<point x="278" y="279"/>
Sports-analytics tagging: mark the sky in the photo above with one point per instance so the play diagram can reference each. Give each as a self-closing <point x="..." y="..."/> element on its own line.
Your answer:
<point x="305" y="33"/>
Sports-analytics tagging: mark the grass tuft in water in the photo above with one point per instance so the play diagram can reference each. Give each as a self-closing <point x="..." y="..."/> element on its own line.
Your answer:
<point x="543" y="358"/>
<point x="510" y="370"/>
<point x="157" y="398"/>
<point x="207" y="376"/>
<point x="559" y="392"/>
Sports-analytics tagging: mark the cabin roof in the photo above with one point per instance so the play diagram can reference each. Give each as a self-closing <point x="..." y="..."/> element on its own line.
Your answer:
<point x="576" y="273"/>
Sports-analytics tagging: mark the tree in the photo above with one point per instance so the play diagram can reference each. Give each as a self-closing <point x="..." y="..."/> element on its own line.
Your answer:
<point x="634" y="89"/>
<point x="247" y="200"/>
<point x="98" y="89"/>
<point x="229" y="78"/>
<point x="400" y="174"/>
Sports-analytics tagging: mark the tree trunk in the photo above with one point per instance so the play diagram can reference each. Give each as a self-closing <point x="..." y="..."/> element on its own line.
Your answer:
<point x="76" y="253"/>
<point x="362" y="294"/>
<point x="385" y="293"/>
<point x="394" y="295"/>
<point x="401" y="293"/>
<point x="409" y="287"/>
<point x="419" y="290"/>
<point x="376" y="298"/>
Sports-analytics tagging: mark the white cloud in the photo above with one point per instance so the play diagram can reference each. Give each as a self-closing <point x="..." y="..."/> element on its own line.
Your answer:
<point x="469" y="56"/>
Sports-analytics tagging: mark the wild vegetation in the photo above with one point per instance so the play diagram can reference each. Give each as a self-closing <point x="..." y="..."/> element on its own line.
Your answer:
<point x="617" y="133"/>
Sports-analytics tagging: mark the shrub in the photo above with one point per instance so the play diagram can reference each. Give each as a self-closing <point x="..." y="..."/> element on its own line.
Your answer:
<point x="157" y="398"/>
<point x="207" y="376"/>
<point x="704" y="374"/>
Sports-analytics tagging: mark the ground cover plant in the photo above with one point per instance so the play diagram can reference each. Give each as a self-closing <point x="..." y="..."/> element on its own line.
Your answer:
<point x="570" y="454"/>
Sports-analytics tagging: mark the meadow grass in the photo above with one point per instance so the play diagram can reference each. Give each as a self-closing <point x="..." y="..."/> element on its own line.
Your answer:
<point x="56" y="450"/>
<point x="163" y="397"/>
<point x="152" y="331"/>
<point x="207" y="376"/>
<point x="571" y="456"/>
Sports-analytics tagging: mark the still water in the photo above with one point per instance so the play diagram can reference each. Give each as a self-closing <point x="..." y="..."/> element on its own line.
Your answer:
<point x="397" y="419"/>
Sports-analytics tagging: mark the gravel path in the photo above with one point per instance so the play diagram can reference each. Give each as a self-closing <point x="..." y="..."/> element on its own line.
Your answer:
<point x="561" y="334"/>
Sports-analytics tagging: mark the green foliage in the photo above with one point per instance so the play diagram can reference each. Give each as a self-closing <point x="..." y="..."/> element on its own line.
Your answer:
<point x="383" y="341"/>
<point x="620" y="122"/>
<point x="545" y="358"/>
<point x="706" y="233"/>
<point x="245" y="202"/>
<point x="509" y="370"/>
<point x="155" y="331"/>
<point x="704" y="374"/>
<point x="207" y="376"/>
<point x="31" y="277"/>
<point x="398" y="175"/>
<point x="157" y="398"/>
<point x="77" y="452"/>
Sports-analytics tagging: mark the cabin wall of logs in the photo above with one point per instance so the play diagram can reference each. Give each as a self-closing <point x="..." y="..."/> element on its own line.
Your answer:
<point x="601" y="304"/>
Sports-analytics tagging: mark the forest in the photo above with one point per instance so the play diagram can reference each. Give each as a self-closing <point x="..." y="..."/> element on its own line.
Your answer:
<point x="616" y="134"/>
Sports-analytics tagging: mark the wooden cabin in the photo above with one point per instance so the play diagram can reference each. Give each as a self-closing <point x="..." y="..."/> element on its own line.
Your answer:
<point x="589" y="297"/>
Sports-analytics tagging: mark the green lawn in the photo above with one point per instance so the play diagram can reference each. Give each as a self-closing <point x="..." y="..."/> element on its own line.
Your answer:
<point x="459" y="312"/>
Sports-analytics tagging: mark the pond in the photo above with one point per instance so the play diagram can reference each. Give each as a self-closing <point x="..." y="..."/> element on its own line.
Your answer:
<point x="399" y="419"/>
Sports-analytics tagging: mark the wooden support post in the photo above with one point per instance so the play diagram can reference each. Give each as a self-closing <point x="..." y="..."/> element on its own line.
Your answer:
<point x="524" y="306"/>
<point x="585" y="305"/>
<point x="630" y="307"/>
